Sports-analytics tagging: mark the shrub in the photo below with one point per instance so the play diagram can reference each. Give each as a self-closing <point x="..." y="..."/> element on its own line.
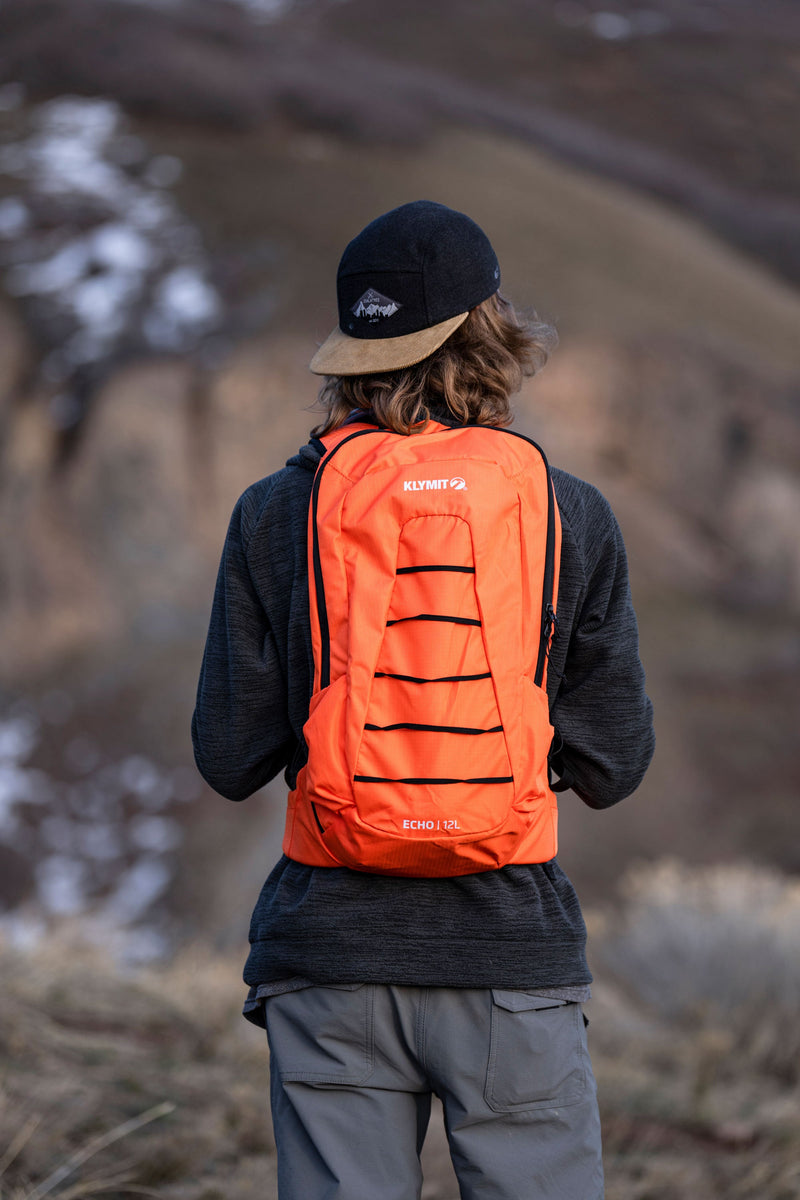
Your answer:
<point x="715" y="948"/>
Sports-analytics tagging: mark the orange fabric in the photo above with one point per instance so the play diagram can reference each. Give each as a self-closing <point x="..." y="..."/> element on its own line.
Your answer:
<point x="443" y="771"/>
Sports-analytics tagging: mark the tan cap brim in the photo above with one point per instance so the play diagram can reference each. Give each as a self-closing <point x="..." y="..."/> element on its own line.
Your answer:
<point x="343" y="355"/>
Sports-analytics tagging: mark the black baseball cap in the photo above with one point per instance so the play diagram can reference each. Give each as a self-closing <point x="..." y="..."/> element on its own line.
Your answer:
<point x="404" y="284"/>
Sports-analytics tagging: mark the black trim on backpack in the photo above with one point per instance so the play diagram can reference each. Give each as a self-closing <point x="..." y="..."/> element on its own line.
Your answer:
<point x="322" y="612"/>
<point x="416" y="570"/>
<point x="438" y="679"/>
<point x="434" y="617"/>
<point x="381" y="779"/>
<point x="432" y="728"/>
<point x="546" y="625"/>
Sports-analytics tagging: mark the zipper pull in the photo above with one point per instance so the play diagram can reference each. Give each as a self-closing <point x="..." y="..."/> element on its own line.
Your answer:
<point x="550" y="630"/>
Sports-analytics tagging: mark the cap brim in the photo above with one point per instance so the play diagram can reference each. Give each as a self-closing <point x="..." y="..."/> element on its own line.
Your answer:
<point x="344" y="355"/>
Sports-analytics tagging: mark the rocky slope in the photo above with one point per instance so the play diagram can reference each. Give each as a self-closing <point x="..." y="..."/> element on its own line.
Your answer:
<point x="674" y="389"/>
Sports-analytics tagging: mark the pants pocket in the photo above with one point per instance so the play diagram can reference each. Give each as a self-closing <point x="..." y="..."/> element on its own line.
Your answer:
<point x="322" y="1035"/>
<point x="537" y="1055"/>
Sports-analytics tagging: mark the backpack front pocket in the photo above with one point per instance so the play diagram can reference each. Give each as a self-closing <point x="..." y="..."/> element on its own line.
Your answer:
<point x="329" y="781"/>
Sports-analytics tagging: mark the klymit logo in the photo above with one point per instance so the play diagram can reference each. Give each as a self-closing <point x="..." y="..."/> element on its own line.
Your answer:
<point x="457" y="484"/>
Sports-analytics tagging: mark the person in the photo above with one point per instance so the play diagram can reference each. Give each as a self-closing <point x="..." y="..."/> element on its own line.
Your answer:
<point x="379" y="990"/>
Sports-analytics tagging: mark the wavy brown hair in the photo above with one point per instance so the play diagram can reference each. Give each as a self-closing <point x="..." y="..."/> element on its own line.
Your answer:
<point x="471" y="376"/>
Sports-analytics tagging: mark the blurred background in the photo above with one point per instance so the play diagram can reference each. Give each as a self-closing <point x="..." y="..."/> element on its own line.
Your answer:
<point x="177" y="181"/>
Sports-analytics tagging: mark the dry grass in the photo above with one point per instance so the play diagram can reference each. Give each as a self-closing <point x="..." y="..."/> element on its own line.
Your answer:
<point x="146" y="1083"/>
<point x="697" y="1019"/>
<point x="122" y="1083"/>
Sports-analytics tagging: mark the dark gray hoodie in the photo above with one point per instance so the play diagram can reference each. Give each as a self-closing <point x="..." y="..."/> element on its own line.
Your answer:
<point x="520" y="926"/>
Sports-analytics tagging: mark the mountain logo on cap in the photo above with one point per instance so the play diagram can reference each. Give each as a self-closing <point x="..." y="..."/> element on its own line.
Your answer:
<point x="374" y="307"/>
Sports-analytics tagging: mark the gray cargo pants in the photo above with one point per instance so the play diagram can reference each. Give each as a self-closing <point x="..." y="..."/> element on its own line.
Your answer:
<point x="353" y="1068"/>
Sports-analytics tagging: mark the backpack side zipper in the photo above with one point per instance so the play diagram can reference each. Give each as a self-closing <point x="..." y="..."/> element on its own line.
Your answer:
<point x="319" y="584"/>
<point x="549" y="620"/>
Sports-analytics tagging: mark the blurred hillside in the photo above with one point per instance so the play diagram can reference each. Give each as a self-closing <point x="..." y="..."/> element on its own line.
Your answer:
<point x="693" y="100"/>
<point x="639" y="180"/>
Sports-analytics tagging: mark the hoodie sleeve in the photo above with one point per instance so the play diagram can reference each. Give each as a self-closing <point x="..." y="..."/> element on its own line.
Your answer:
<point x="603" y="718"/>
<point x="240" y="729"/>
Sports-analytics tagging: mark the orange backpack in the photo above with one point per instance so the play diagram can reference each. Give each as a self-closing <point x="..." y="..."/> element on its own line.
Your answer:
<point x="433" y="576"/>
